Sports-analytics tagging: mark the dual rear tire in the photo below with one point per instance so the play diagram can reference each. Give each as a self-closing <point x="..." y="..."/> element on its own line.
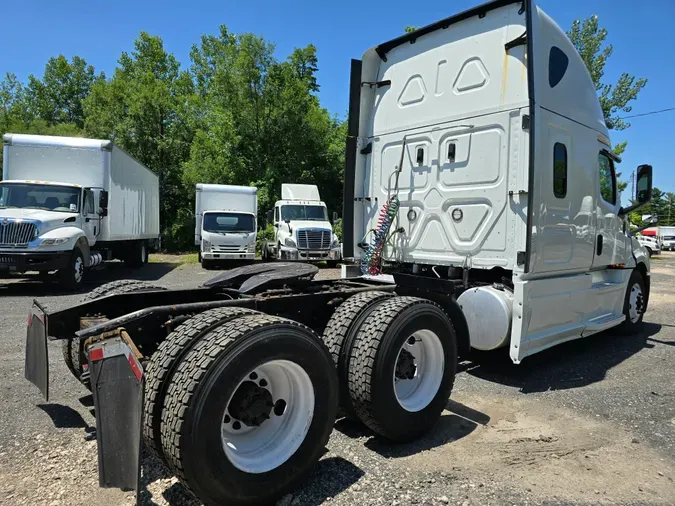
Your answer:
<point x="396" y="359"/>
<point x="240" y="404"/>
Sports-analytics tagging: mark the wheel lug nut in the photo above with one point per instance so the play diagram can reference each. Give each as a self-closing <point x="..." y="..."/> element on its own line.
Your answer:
<point x="253" y="376"/>
<point x="263" y="383"/>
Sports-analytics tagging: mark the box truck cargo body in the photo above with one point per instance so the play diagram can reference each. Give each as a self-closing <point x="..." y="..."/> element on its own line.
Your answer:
<point x="225" y="222"/>
<point x="67" y="204"/>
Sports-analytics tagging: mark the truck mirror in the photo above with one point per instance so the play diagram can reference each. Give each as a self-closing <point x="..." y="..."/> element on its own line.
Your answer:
<point x="270" y="216"/>
<point x="335" y="217"/>
<point x="643" y="192"/>
<point x="103" y="203"/>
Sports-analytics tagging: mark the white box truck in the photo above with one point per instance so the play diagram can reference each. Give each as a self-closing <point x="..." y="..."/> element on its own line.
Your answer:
<point x="225" y="222"/>
<point x="302" y="230"/>
<point x="68" y="204"/>
<point x="667" y="237"/>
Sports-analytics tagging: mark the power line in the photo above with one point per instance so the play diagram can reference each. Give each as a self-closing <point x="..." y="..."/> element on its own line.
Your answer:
<point x="648" y="113"/>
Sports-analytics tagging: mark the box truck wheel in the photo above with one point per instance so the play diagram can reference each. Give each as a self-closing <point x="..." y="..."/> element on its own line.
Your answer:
<point x="634" y="304"/>
<point x="71" y="277"/>
<point x="249" y="410"/>
<point x="73" y="349"/>
<point x="137" y="255"/>
<point x="164" y="361"/>
<point x="402" y="367"/>
<point x="339" y="336"/>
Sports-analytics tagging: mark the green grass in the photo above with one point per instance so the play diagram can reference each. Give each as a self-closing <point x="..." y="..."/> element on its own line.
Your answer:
<point x="177" y="258"/>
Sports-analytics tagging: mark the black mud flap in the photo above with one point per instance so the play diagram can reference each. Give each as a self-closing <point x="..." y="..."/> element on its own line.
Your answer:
<point x="37" y="358"/>
<point x="117" y="384"/>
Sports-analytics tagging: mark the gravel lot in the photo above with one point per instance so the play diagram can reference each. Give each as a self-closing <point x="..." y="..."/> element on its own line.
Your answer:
<point x="588" y="422"/>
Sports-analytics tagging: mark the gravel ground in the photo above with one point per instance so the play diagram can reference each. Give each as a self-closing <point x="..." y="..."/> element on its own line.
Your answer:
<point x="588" y="422"/>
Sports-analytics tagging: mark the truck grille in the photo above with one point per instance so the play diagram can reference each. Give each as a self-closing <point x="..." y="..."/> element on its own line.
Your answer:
<point x="16" y="234"/>
<point x="313" y="239"/>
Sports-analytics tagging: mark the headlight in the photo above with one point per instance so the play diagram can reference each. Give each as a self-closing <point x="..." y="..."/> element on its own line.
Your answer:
<point x="206" y="245"/>
<point x="251" y="247"/>
<point x="289" y="242"/>
<point x="53" y="242"/>
<point x="336" y="243"/>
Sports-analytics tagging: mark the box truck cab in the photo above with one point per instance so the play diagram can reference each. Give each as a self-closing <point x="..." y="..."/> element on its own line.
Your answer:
<point x="478" y="155"/>
<point x="225" y="226"/>
<point x="667" y="238"/>
<point x="68" y="204"/>
<point x="302" y="230"/>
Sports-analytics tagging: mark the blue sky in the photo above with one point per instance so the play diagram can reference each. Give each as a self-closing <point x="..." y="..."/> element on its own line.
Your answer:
<point x="641" y="32"/>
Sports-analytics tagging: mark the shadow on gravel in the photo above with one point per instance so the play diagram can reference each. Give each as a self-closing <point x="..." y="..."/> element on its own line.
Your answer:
<point x="570" y="365"/>
<point x="153" y="469"/>
<point x="330" y="477"/>
<point x="64" y="417"/>
<point x="460" y="422"/>
<point x="33" y="286"/>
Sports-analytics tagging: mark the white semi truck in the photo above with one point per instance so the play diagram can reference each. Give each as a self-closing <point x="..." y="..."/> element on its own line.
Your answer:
<point x="68" y="204"/>
<point x="302" y="230"/>
<point x="481" y="205"/>
<point x="225" y="222"/>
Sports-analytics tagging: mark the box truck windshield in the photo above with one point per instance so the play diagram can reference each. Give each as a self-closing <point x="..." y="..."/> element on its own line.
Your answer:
<point x="40" y="196"/>
<point x="228" y="222"/>
<point x="306" y="213"/>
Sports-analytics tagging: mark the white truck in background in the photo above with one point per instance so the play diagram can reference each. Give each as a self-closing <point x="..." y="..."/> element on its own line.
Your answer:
<point x="225" y="222"/>
<point x="68" y="204"/>
<point x="667" y="237"/>
<point x="302" y="230"/>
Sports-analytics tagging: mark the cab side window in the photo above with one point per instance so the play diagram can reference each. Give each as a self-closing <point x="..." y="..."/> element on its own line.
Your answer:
<point x="276" y="215"/>
<point x="88" y="202"/>
<point x="607" y="179"/>
<point x="559" y="170"/>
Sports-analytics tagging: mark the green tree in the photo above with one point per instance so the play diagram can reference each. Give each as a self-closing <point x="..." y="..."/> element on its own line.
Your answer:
<point x="259" y="120"/>
<point x="145" y="108"/>
<point x="57" y="97"/>
<point x="409" y="29"/>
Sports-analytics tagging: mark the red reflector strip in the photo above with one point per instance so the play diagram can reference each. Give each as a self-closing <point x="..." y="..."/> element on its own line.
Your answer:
<point x="135" y="366"/>
<point x="30" y="320"/>
<point x="96" y="354"/>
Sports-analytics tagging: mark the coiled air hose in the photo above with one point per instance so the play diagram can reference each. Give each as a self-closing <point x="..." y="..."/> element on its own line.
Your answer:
<point x="371" y="260"/>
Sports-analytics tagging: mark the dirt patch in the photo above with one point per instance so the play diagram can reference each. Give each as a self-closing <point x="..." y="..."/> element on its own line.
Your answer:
<point x="554" y="454"/>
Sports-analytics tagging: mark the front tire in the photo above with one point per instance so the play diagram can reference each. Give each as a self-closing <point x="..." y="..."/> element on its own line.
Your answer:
<point x="72" y="276"/>
<point x="249" y="410"/>
<point x="402" y="367"/>
<point x="634" y="304"/>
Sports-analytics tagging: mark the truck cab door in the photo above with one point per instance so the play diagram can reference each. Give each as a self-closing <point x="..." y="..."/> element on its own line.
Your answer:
<point x="610" y="240"/>
<point x="91" y="218"/>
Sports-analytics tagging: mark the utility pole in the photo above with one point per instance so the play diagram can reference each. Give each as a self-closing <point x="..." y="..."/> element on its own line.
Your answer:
<point x="632" y="185"/>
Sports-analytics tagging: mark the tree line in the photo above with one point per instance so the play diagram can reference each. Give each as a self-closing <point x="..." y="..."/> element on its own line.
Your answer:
<point x="237" y="115"/>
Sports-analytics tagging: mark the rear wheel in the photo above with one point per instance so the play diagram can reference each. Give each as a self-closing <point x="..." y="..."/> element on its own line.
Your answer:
<point x="73" y="349"/>
<point x="164" y="361"/>
<point x="402" y="367"/>
<point x="339" y="336"/>
<point x="249" y="410"/>
<point x="138" y="255"/>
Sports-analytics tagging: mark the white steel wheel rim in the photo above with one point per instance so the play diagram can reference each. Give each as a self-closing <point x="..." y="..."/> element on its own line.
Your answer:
<point x="417" y="393"/>
<point x="79" y="269"/>
<point x="264" y="448"/>
<point x="635" y="302"/>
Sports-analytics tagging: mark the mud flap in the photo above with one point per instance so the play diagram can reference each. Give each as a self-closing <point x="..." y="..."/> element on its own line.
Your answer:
<point x="37" y="358"/>
<point x="117" y="384"/>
